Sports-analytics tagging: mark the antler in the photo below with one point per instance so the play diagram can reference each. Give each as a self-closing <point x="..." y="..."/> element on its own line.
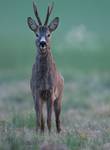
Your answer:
<point x="49" y="10"/>
<point x="36" y="14"/>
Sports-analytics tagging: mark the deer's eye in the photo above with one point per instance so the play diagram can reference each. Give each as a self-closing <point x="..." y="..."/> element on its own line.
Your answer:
<point x="37" y="35"/>
<point x="48" y="35"/>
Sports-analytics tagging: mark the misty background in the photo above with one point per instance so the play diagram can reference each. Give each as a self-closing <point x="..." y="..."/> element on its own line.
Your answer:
<point x="81" y="41"/>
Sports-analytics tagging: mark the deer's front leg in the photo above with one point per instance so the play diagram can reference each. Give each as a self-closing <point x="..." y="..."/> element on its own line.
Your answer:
<point x="49" y="112"/>
<point x="38" y="111"/>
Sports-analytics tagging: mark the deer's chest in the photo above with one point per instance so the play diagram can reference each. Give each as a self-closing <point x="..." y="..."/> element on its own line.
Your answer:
<point x="45" y="77"/>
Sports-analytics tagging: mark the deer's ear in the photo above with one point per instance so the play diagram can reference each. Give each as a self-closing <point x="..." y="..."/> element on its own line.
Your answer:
<point x="54" y="24"/>
<point x="32" y="24"/>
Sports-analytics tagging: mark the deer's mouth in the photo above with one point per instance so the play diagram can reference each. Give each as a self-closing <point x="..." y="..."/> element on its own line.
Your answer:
<point x="43" y="50"/>
<point x="43" y="47"/>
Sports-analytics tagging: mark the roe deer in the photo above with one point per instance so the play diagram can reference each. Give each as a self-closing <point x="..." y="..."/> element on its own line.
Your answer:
<point x="46" y="82"/>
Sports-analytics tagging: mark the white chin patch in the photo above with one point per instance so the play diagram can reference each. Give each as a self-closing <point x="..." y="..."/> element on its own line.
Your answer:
<point x="43" y="50"/>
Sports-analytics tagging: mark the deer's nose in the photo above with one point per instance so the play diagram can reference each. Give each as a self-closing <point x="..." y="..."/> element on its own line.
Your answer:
<point x="43" y="44"/>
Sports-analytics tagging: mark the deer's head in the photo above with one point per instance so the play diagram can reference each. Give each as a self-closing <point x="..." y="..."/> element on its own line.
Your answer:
<point x="42" y="31"/>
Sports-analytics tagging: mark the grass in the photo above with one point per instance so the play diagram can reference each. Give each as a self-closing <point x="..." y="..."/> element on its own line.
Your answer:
<point x="85" y="115"/>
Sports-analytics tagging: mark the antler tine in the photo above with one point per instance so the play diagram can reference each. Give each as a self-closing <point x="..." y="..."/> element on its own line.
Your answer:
<point x="47" y="16"/>
<point x="36" y="14"/>
<point x="49" y="11"/>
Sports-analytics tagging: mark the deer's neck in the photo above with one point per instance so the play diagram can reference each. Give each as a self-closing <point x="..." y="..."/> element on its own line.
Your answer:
<point x="45" y="71"/>
<point x="44" y="63"/>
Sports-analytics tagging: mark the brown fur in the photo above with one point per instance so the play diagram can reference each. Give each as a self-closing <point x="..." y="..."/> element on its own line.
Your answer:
<point x="46" y="82"/>
<point x="47" y="86"/>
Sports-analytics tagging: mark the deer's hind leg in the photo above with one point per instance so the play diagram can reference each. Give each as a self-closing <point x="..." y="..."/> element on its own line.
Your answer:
<point x="57" y="110"/>
<point x="42" y="118"/>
